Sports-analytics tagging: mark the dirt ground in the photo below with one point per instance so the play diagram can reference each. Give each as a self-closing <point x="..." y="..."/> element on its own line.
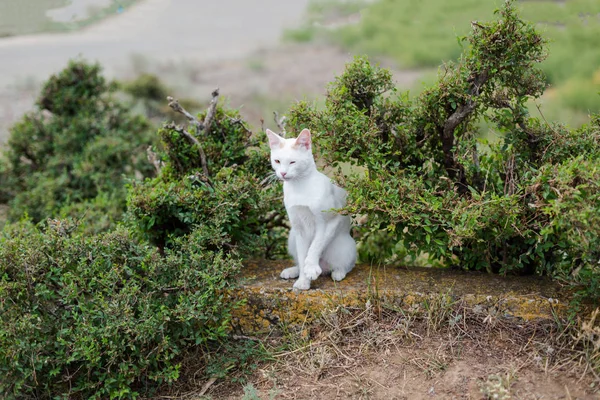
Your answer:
<point x="387" y="362"/>
<point x="376" y="352"/>
<point x="428" y="370"/>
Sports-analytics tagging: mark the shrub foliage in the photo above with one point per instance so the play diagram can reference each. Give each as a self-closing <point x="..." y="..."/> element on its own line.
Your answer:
<point x="103" y="316"/>
<point x="110" y="315"/>
<point x="234" y="201"/>
<point x="522" y="204"/>
<point x="77" y="150"/>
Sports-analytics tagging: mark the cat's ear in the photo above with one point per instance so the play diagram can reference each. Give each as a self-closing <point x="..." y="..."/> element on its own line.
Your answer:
<point x="303" y="140"/>
<point x="275" y="141"/>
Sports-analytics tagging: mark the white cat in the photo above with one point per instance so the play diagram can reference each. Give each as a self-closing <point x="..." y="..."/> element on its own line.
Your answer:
<point x="319" y="240"/>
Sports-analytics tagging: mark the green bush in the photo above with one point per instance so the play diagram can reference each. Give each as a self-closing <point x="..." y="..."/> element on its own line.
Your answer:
<point x="5" y="193"/>
<point x="104" y="316"/>
<point x="427" y="184"/>
<point x="568" y="194"/>
<point x="80" y="144"/>
<point x="235" y="202"/>
<point x="87" y="314"/>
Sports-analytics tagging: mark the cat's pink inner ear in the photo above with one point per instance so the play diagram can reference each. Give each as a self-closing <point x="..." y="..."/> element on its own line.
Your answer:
<point x="303" y="140"/>
<point x="275" y="141"/>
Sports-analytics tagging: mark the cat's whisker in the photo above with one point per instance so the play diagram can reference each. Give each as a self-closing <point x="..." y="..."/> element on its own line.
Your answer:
<point x="269" y="179"/>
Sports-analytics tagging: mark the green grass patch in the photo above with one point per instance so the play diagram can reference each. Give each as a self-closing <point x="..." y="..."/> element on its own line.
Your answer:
<point x="18" y="17"/>
<point x="424" y="34"/>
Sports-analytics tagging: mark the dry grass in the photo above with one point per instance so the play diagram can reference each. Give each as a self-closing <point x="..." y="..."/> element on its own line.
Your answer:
<point x="438" y="347"/>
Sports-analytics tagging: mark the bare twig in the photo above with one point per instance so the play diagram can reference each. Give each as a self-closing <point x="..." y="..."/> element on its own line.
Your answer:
<point x="201" y="127"/>
<point x="509" y="181"/>
<point x="153" y="158"/>
<point x="459" y="116"/>
<point x="545" y="120"/>
<point x="241" y="123"/>
<point x="244" y="337"/>
<point x="192" y="139"/>
<point x="210" y="113"/>
<point x="207" y="385"/>
<point x="280" y="122"/>
<point x="174" y="104"/>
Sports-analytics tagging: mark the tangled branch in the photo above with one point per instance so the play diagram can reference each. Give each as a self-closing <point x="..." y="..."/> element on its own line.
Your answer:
<point x="201" y="127"/>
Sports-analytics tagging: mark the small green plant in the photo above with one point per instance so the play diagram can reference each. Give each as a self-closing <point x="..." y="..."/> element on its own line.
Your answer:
<point x="250" y="392"/>
<point x="497" y="387"/>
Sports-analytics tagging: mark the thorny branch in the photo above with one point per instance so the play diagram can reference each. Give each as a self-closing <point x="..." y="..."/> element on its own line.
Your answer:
<point x="458" y="117"/>
<point x="200" y="126"/>
<point x="210" y="113"/>
<point x="280" y="122"/>
<point x="153" y="158"/>
<point x="192" y="139"/>
<point x="174" y="104"/>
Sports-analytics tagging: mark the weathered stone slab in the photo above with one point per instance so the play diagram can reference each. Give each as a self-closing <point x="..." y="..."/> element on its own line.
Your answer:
<point x="271" y="300"/>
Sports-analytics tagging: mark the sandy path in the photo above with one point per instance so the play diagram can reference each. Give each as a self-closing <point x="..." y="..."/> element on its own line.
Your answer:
<point x="199" y="30"/>
<point x="162" y="29"/>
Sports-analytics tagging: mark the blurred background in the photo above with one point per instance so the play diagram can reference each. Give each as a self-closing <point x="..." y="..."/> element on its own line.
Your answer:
<point x="265" y="54"/>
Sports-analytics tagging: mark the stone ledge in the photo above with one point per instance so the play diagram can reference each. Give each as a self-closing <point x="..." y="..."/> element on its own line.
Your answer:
<point x="271" y="301"/>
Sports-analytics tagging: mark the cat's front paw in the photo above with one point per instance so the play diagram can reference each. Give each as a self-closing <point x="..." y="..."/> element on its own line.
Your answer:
<point x="302" y="284"/>
<point x="312" y="271"/>
<point x="338" y="275"/>
<point x="290" y="273"/>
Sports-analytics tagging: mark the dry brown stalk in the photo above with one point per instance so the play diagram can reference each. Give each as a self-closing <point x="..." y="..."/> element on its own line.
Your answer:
<point x="280" y="122"/>
<point x="153" y="158"/>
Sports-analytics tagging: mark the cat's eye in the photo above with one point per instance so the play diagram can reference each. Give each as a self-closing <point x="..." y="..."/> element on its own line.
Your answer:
<point x="276" y="161"/>
<point x="292" y="162"/>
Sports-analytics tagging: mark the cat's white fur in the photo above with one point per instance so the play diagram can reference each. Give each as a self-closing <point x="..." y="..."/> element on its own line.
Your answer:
<point x="319" y="240"/>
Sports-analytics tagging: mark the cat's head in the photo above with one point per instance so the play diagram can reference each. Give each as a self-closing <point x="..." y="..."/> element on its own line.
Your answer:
<point x="291" y="158"/>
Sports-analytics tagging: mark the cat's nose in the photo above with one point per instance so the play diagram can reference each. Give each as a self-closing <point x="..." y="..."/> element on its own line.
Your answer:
<point x="283" y="174"/>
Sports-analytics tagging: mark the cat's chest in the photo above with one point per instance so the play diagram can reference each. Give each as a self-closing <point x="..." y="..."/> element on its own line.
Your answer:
<point x="316" y="195"/>
<point x="301" y="218"/>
